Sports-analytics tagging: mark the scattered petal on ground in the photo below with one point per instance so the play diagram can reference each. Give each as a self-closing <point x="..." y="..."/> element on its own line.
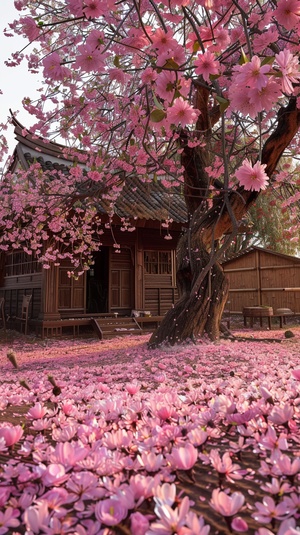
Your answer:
<point x="105" y="437"/>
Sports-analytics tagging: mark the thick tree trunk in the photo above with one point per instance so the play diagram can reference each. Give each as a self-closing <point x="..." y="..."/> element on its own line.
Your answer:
<point x="203" y="290"/>
<point x="202" y="285"/>
<point x="203" y="294"/>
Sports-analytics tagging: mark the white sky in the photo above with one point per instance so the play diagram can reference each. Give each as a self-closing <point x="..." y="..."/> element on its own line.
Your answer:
<point x="15" y="82"/>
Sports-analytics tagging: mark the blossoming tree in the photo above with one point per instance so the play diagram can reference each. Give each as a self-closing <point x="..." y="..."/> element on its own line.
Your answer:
<point x="201" y="94"/>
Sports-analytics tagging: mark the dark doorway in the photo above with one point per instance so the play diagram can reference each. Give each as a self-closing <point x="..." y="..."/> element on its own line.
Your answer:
<point x="97" y="283"/>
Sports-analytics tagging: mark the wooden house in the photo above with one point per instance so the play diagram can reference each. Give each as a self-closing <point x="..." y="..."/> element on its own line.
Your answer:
<point x="261" y="277"/>
<point x="140" y="277"/>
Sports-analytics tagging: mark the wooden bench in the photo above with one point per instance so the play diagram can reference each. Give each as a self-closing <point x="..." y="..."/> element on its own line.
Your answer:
<point x="266" y="312"/>
<point x="257" y="312"/>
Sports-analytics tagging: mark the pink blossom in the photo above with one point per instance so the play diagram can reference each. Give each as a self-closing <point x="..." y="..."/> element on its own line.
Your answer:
<point x="284" y="465"/>
<point x="150" y="461"/>
<point x="184" y="457"/>
<point x="55" y="498"/>
<point x="240" y="101"/>
<point x="288" y="527"/>
<point x="271" y="441"/>
<point x="252" y="177"/>
<point x="206" y="65"/>
<point x="268" y="509"/>
<point x="149" y="75"/>
<point x="30" y="28"/>
<point x="296" y="374"/>
<point x="68" y="454"/>
<point x="95" y="38"/>
<point x="176" y="55"/>
<point x="281" y="415"/>
<point x="4" y="495"/>
<point x="37" y="516"/>
<point x="132" y="388"/>
<point x="37" y="411"/>
<point x="288" y="13"/>
<point x="195" y="525"/>
<point x="142" y="486"/>
<point x="83" y="486"/>
<point x="264" y="99"/>
<point x="11" y="433"/>
<point x="289" y="68"/>
<point x="252" y="74"/>
<point x="53" y="67"/>
<point x="225" y="504"/>
<point x="169" y="83"/>
<point x="275" y="487"/>
<point x="8" y="519"/>
<point x="54" y="475"/>
<point x="76" y="7"/>
<point x="111" y="512"/>
<point x="163" y="40"/>
<point x="239" y="524"/>
<point x="225" y="465"/>
<point x="170" y="520"/>
<point x="197" y="436"/>
<point x="89" y="59"/>
<point x="139" y="524"/>
<point x="93" y="9"/>
<point x="263" y="40"/>
<point x="181" y="113"/>
<point x="165" y="494"/>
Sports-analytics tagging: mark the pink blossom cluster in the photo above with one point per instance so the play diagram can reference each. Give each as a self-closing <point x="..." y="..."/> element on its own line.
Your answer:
<point x="155" y="58"/>
<point x="130" y="431"/>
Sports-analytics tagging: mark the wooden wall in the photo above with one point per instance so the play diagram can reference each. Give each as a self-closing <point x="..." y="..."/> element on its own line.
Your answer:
<point x="264" y="278"/>
<point x="131" y="282"/>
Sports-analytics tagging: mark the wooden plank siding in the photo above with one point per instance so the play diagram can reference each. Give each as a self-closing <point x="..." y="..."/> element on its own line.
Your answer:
<point x="160" y="294"/>
<point x="263" y="278"/>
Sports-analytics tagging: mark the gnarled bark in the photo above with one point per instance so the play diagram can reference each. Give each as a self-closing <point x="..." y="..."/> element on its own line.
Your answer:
<point x="202" y="298"/>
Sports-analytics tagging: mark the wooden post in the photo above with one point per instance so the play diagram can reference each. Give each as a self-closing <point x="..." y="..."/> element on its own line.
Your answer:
<point x="257" y="261"/>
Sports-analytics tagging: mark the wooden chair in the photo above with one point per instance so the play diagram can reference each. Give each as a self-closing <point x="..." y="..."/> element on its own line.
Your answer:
<point x="2" y="312"/>
<point x="25" y="312"/>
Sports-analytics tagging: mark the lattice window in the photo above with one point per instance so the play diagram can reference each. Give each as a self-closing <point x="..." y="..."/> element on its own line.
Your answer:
<point x="158" y="262"/>
<point x="20" y="263"/>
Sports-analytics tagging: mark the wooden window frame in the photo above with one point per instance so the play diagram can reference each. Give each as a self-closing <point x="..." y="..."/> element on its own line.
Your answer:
<point x="156" y="264"/>
<point x="20" y="263"/>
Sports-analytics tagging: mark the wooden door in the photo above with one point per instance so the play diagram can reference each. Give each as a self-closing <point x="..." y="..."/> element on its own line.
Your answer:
<point x="121" y="282"/>
<point x="71" y="291"/>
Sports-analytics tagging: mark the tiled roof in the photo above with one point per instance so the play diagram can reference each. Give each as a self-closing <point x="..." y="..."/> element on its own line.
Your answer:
<point x="138" y="200"/>
<point x="151" y="201"/>
<point x="46" y="164"/>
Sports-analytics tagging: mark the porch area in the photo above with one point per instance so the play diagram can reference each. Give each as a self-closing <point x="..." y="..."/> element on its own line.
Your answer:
<point x="103" y="325"/>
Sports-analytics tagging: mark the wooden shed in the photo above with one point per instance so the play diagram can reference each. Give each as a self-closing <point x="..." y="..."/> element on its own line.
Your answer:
<point x="141" y="276"/>
<point x="261" y="277"/>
